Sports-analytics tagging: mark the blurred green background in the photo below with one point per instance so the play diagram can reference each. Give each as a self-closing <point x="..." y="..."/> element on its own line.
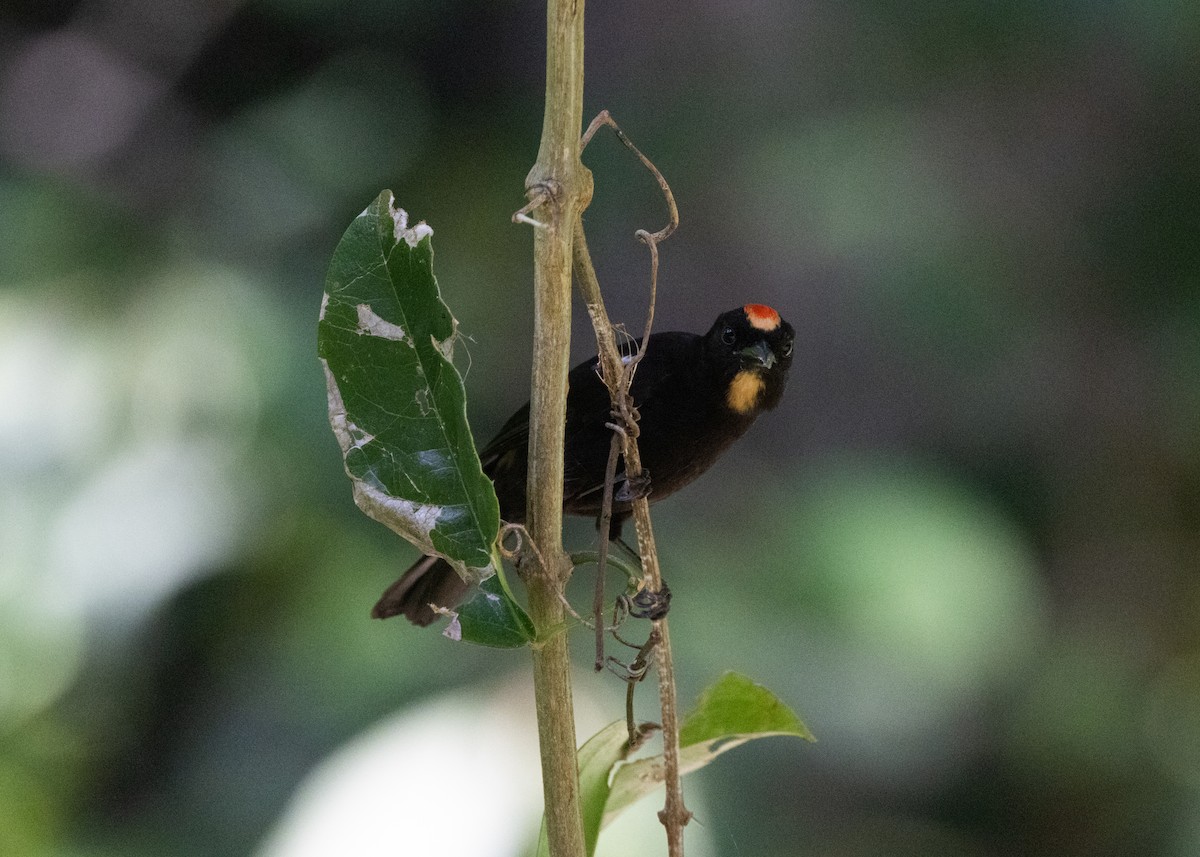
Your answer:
<point x="965" y="548"/>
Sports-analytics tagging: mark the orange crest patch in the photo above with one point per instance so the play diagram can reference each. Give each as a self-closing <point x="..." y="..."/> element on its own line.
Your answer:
<point x="761" y="316"/>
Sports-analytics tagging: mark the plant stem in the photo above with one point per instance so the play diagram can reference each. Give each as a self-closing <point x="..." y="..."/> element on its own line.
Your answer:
<point x="559" y="186"/>
<point x="675" y="814"/>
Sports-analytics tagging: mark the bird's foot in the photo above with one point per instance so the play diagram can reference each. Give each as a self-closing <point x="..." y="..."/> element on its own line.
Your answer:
<point x="649" y="604"/>
<point x="633" y="488"/>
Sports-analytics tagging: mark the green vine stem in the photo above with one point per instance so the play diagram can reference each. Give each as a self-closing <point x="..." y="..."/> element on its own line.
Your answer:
<point x="559" y="187"/>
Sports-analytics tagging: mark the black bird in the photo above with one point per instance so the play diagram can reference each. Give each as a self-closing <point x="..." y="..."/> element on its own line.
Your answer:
<point x="696" y="395"/>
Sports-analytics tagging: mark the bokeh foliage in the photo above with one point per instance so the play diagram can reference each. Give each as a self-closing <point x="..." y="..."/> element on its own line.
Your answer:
<point x="965" y="546"/>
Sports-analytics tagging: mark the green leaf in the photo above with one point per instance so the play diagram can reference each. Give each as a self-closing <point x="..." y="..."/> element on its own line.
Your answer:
<point x="732" y="711"/>
<point x="735" y="707"/>
<point x="596" y="760"/>
<point x="492" y="618"/>
<point x="396" y="402"/>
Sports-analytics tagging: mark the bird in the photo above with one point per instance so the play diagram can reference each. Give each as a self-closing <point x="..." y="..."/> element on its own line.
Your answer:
<point x="695" y="394"/>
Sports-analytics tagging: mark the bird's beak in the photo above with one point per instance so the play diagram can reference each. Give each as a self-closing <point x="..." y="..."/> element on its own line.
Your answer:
<point x="759" y="353"/>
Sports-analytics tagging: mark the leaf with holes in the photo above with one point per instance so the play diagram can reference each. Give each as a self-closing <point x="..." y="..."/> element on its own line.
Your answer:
<point x="491" y="617"/>
<point x="396" y="402"/>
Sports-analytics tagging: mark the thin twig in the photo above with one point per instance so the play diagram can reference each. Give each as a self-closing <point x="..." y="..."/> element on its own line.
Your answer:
<point x="650" y="239"/>
<point x="610" y="475"/>
<point x="651" y="243"/>
<point x="636" y="672"/>
<point x="605" y="118"/>
<point x="617" y="376"/>
<point x="515" y="553"/>
<point x="579" y="558"/>
<point x="537" y="195"/>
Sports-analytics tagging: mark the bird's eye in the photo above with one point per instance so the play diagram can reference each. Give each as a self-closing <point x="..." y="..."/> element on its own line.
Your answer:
<point x="787" y="348"/>
<point x="728" y="336"/>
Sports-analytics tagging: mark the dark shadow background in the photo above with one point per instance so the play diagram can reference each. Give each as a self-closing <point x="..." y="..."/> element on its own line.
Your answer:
<point x="965" y="548"/>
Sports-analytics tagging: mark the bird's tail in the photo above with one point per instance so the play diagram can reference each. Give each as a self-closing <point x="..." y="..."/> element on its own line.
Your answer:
<point x="430" y="580"/>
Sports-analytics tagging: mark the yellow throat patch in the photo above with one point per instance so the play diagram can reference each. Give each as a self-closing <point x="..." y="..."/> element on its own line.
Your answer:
<point x="744" y="390"/>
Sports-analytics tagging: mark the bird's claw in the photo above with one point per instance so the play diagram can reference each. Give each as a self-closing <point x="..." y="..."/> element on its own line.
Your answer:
<point x="633" y="488"/>
<point x="649" y="604"/>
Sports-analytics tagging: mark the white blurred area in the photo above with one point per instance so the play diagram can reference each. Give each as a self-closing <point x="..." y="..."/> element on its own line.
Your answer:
<point x="123" y="468"/>
<point x="457" y="777"/>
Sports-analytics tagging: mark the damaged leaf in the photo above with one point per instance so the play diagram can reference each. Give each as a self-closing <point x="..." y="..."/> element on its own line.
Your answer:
<point x="492" y="618"/>
<point x="396" y="402"/>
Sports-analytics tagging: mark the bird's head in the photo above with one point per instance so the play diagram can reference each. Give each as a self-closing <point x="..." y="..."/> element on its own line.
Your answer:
<point x="752" y="346"/>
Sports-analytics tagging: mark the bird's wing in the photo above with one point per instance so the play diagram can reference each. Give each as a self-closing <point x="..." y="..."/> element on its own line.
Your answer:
<point x="668" y="359"/>
<point x="588" y="409"/>
<point x="514" y="434"/>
